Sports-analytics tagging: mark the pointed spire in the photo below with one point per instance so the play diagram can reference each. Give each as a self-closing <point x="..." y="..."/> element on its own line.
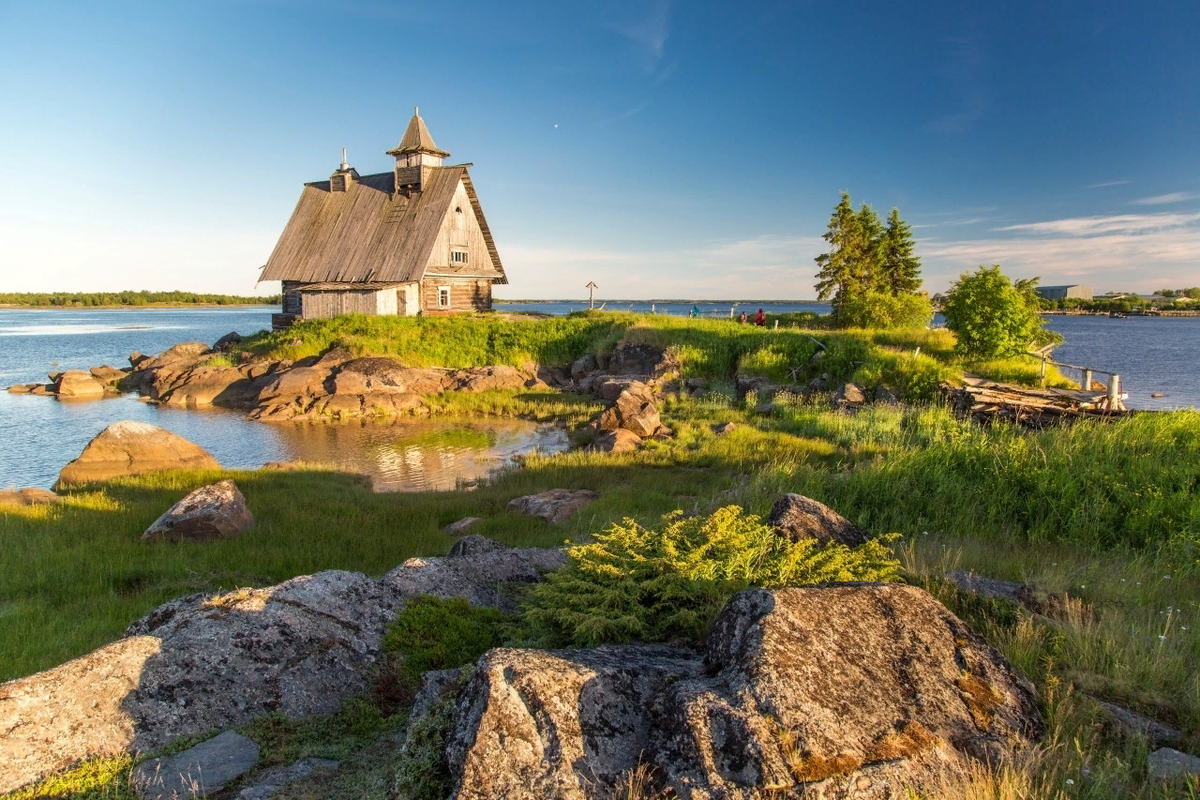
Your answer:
<point x="345" y="165"/>
<point x="416" y="139"/>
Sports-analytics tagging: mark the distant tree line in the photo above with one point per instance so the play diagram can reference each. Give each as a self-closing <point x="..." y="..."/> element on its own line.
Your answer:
<point x="871" y="275"/>
<point x="129" y="298"/>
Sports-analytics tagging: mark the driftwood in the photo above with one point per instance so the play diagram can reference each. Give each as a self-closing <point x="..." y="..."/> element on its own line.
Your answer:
<point x="986" y="402"/>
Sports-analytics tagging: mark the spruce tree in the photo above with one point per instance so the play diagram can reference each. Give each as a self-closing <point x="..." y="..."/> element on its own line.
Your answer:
<point x="840" y="278"/>
<point x="901" y="269"/>
<point x="870" y="254"/>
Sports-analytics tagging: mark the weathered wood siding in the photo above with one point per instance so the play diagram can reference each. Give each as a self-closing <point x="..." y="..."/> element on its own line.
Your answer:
<point x="465" y="295"/>
<point x="291" y="297"/>
<point x="460" y="228"/>
<point x="326" y="304"/>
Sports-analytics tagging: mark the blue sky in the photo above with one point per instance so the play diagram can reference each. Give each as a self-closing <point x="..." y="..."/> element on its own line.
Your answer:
<point x="661" y="148"/>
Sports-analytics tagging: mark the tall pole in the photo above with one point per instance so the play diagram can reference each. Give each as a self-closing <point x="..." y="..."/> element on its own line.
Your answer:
<point x="592" y="287"/>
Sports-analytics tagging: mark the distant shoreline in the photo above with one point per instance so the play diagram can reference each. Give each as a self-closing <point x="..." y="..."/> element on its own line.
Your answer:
<point x="671" y="301"/>
<point x="80" y="307"/>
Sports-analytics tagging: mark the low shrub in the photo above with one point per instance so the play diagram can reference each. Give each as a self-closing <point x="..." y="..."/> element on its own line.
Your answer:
<point x="666" y="584"/>
<point x="433" y="633"/>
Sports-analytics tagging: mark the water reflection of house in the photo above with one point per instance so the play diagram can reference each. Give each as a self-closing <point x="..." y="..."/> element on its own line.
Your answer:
<point x="410" y="241"/>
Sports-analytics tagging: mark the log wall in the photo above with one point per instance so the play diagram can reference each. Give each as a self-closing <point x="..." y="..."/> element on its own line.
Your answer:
<point x="465" y="295"/>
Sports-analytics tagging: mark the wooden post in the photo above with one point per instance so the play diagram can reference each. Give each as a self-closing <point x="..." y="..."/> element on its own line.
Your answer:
<point x="591" y="287"/>
<point x="1087" y="380"/>
<point x="1043" y="374"/>
<point x="1114" y="392"/>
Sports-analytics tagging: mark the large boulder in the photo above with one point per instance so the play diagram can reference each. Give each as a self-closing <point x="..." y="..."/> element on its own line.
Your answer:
<point x="196" y="664"/>
<point x="75" y="384"/>
<point x="583" y="366"/>
<point x="380" y="374"/>
<point x="855" y="690"/>
<point x="217" y="511"/>
<point x="848" y="395"/>
<point x="28" y="497"/>
<point x="559" y="724"/>
<point x="108" y="375"/>
<point x="554" y="505"/>
<point x="132" y="448"/>
<point x="798" y="517"/>
<point x="297" y="382"/>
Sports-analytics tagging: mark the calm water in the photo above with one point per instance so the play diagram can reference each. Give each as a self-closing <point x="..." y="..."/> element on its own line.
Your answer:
<point x="39" y="435"/>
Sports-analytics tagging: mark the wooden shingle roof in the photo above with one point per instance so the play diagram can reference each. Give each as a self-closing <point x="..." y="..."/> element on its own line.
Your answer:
<point x="368" y="232"/>
<point x="417" y="139"/>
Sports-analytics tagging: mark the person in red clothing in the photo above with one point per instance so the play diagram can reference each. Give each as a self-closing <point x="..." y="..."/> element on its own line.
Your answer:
<point x="760" y="318"/>
<point x="743" y="318"/>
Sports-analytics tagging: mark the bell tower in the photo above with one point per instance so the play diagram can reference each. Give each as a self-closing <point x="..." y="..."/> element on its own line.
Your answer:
<point x="416" y="155"/>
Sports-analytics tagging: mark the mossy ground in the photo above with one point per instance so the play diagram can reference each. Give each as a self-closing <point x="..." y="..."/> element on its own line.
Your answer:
<point x="1107" y="515"/>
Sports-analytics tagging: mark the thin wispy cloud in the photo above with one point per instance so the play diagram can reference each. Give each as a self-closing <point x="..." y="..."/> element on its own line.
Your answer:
<point x="1105" y="184"/>
<point x="626" y="114"/>
<point x="1166" y="199"/>
<point x="1113" y="223"/>
<point x="1161" y="247"/>
<point x="953" y="222"/>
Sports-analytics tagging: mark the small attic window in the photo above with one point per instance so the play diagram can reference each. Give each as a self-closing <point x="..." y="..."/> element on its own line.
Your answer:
<point x="458" y="256"/>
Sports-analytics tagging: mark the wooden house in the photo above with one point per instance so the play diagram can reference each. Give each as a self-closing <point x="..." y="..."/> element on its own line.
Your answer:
<point x="410" y="241"/>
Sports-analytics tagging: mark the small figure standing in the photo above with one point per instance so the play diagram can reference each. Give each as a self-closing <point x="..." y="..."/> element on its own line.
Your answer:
<point x="760" y="319"/>
<point x="695" y="310"/>
<point x="743" y="319"/>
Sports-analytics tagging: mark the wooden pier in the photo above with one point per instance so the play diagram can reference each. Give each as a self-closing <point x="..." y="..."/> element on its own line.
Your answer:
<point x="986" y="401"/>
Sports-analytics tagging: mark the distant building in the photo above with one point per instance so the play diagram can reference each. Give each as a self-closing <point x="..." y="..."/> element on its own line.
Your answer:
<point x="1073" y="291"/>
<point x="406" y="242"/>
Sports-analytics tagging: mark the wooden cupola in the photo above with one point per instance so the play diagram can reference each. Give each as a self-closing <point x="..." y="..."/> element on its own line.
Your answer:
<point x="416" y="155"/>
<point x="341" y="179"/>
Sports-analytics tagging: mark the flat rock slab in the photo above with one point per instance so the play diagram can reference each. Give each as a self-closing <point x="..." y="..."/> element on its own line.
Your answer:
<point x="974" y="583"/>
<point x="1166" y="764"/>
<point x="461" y="526"/>
<point x="270" y="783"/>
<point x="476" y="572"/>
<point x="554" y="505"/>
<point x="133" y="448"/>
<point x="28" y="497"/>
<point x="217" y="511"/>
<point x="798" y="517"/>
<point x="1135" y="724"/>
<point x="198" y="771"/>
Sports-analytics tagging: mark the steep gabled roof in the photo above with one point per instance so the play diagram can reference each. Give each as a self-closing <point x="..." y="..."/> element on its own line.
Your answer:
<point x="367" y="233"/>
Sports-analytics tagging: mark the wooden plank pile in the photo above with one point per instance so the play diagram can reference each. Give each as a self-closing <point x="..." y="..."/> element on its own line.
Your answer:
<point x="986" y="401"/>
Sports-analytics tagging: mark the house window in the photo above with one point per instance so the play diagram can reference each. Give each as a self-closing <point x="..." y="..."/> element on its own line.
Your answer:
<point x="443" y="297"/>
<point x="458" y="256"/>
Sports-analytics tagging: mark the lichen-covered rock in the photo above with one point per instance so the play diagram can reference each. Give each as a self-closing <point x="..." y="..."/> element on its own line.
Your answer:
<point x="554" y="505"/>
<point x="482" y="379"/>
<point x="217" y="511"/>
<point x="75" y="384"/>
<point x="227" y="341"/>
<point x="858" y="690"/>
<point x="476" y="572"/>
<point x="1165" y="764"/>
<point x="461" y="526"/>
<point x="199" y="387"/>
<point x="630" y="358"/>
<point x="133" y="448"/>
<point x="562" y="724"/>
<point x="582" y="366"/>
<point x="848" y="691"/>
<point x="798" y="517"/>
<point x="296" y="382"/>
<point x="28" y="497"/>
<point x="108" y="375"/>
<point x="182" y="353"/>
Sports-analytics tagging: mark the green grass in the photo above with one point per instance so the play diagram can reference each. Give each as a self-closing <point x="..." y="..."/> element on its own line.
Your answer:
<point x="1106" y="514"/>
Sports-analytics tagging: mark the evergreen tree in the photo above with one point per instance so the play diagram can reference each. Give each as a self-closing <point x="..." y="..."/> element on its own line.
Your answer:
<point x="840" y="276"/>
<point x="870" y="257"/>
<point x="901" y="269"/>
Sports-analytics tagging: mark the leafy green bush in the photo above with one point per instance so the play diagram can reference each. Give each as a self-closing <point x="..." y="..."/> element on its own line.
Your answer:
<point x="635" y="583"/>
<point x="993" y="317"/>
<point x="886" y="311"/>
<point x="433" y="633"/>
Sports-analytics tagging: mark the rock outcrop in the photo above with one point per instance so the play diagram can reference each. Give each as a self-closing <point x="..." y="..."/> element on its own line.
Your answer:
<point x="857" y="690"/>
<point x="28" y="497"/>
<point x="538" y="724"/>
<point x="798" y="517"/>
<point x="75" y="384"/>
<point x="554" y="505"/>
<point x="133" y="448"/>
<point x="206" y="661"/>
<point x="217" y="511"/>
<point x="618" y="441"/>
<point x="635" y="411"/>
